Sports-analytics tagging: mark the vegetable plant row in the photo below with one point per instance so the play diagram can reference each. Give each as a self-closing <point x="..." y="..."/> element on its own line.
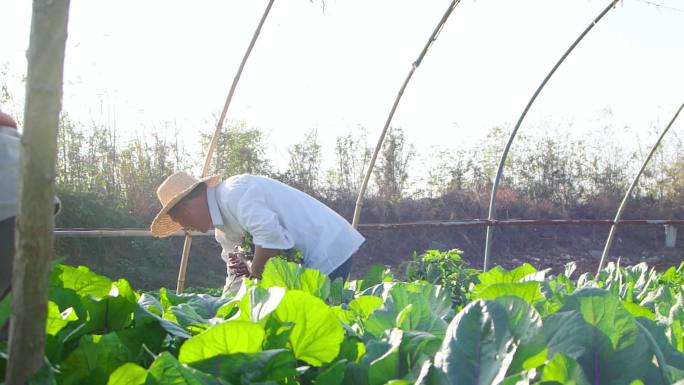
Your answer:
<point x="451" y="325"/>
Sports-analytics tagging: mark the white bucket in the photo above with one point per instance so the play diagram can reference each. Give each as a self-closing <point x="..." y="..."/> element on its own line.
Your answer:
<point x="670" y="236"/>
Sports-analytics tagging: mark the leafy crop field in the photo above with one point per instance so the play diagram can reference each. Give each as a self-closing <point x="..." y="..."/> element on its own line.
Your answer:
<point x="449" y="325"/>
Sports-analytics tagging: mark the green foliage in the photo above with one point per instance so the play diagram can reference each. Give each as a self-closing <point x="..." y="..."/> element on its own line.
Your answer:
<point x="5" y="306"/>
<point x="225" y="338"/>
<point x="239" y="150"/>
<point x="317" y="334"/>
<point x="391" y="171"/>
<point x="279" y="272"/>
<point x="106" y="180"/>
<point x="128" y="374"/>
<point x="216" y="292"/>
<point x="478" y="347"/>
<point x="304" y="168"/>
<point x="523" y="326"/>
<point x="446" y="269"/>
<point x="57" y="320"/>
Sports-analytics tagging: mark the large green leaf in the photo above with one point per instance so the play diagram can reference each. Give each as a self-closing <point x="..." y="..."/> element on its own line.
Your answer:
<point x="315" y="282"/>
<point x="206" y="305"/>
<point x="500" y="275"/>
<point x="277" y="333"/>
<point x="525" y="378"/>
<point x="143" y="338"/>
<point x="149" y="302"/>
<point x="226" y="338"/>
<point x="563" y="370"/>
<point x="332" y="374"/>
<point x="228" y="309"/>
<point x="347" y="317"/>
<point x="5" y="306"/>
<point x="595" y="329"/>
<point x="112" y="312"/>
<point x="667" y="356"/>
<point x="660" y="301"/>
<point x="352" y="349"/>
<point x="259" y="302"/>
<point x="128" y="374"/>
<point x="338" y="294"/>
<point x="69" y="285"/>
<point x="186" y="316"/>
<point x="189" y="309"/>
<point x="81" y="280"/>
<point x="529" y="291"/>
<point x="478" y="347"/>
<point x="384" y="365"/>
<point x="566" y="332"/>
<point x="316" y="334"/>
<point x="169" y="298"/>
<point x="95" y="358"/>
<point x="675" y="322"/>
<point x="363" y="306"/>
<point x="416" y="349"/>
<point x="142" y="314"/>
<point x="525" y="324"/>
<point x="281" y="273"/>
<point x="57" y="320"/>
<point x="638" y="310"/>
<point x="166" y="370"/>
<point x="411" y="307"/>
<point x="358" y="310"/>
<point x="375" y="275"/>
<point x="249" y="368"/>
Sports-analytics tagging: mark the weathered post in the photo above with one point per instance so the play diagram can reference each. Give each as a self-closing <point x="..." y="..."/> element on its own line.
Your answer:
<point x="36" y="189"/>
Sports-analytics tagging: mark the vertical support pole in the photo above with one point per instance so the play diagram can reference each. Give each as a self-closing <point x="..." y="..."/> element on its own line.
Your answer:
<point x="180" y="286"/>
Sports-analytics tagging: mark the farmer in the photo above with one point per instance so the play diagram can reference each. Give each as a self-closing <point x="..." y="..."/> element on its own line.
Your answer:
<point x="9" y="174"/>
<point x="278" y="217"/>
<point x="10" y="147"/>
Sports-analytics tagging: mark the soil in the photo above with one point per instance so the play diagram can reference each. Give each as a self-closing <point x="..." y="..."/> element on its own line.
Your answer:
<point x="543" y="247"/>
<point x="150" y="264"/>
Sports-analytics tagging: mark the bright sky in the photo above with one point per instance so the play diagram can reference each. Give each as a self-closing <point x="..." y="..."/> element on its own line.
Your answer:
<point x="143" y="64"/>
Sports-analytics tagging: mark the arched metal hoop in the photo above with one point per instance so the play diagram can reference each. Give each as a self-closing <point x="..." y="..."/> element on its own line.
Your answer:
<point x="416" y="64"/>
<point x="618" y="215"/>
<point x="504" y="155"/>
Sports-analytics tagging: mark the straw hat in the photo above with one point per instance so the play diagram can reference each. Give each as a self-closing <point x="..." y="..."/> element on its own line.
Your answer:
<point x="170" y="192"/>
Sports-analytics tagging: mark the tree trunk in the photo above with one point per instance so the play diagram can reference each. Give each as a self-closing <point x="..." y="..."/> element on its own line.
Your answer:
<point x="36" y="189"/>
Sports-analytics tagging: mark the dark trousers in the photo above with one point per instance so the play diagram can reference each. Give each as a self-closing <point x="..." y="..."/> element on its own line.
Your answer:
<point x="342" y="271"/>
<point x="6" y="255"/>
<point x="6" y="259"/>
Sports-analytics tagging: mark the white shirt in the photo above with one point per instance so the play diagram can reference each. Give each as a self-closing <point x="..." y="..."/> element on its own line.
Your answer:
<point x="10" y="146"/>
<point x="280" y="217"/>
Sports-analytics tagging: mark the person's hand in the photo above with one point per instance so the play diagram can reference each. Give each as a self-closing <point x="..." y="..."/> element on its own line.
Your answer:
<point x="237" y="262"/>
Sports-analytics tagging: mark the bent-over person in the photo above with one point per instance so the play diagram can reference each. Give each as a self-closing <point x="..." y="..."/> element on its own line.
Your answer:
<point x="279" y="218"/>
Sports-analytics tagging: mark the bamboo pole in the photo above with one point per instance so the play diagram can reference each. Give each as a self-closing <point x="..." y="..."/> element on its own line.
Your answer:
<point x="618" y="215"/>
<point x="142" y="233"/>
<point x="36" y="189"/>
<point x="504" y="155"/>
<point x="214" y="140"/>
<point x="184" y="263"/>
<point x="416" y="64"/>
